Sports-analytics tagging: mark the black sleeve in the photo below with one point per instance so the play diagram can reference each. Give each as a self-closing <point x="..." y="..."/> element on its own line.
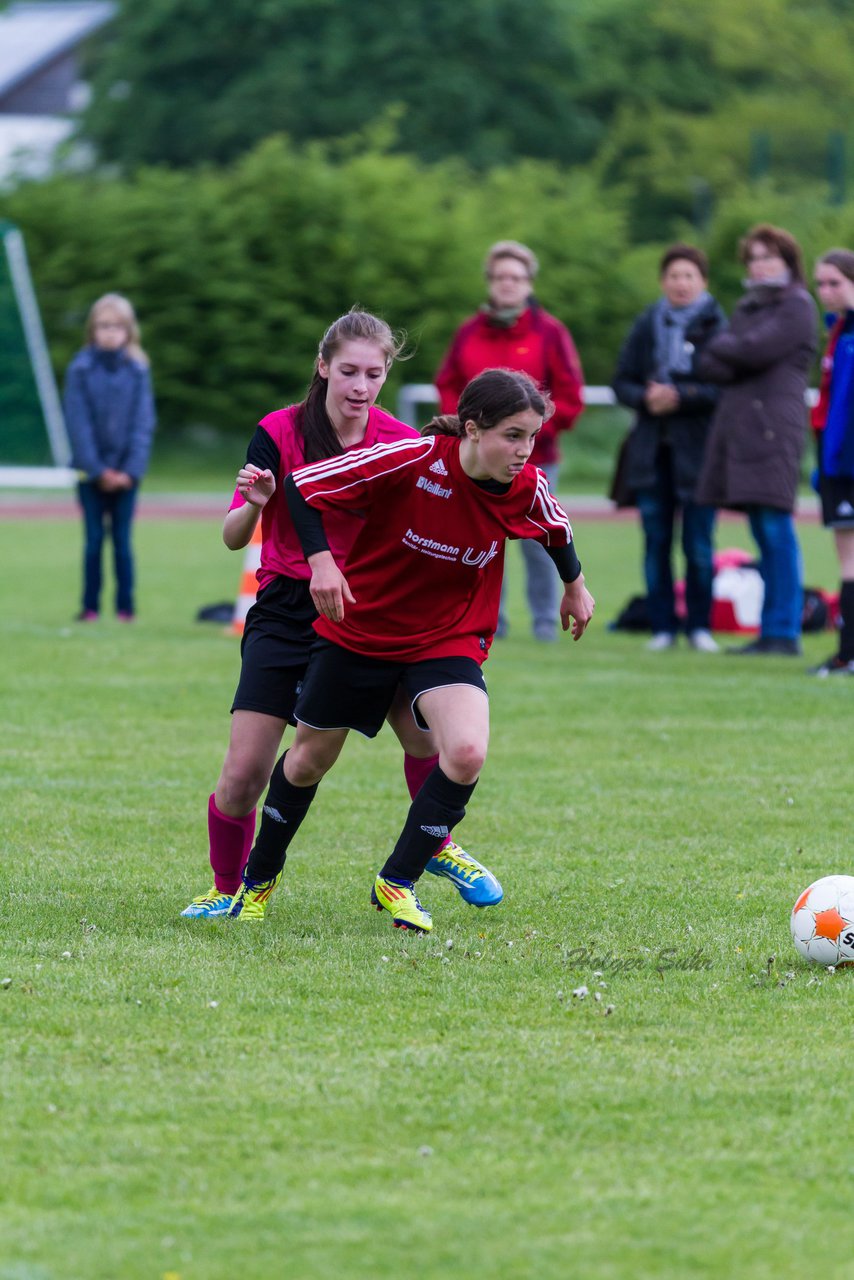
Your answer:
<point x="632" y="373"/>
<point x="566" y="561"/>
<point x="307" y="521"/>
<point x="263" y="452"/>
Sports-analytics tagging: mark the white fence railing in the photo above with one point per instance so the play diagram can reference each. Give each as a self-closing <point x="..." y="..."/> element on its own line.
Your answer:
<point x="419" y="393"/>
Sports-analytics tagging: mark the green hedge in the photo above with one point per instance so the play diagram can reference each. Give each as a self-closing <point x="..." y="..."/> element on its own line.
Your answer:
<point x="236" y="272"/>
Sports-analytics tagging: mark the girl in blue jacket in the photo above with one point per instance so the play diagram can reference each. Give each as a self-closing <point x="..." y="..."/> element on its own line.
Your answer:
<point x="109" y="413"/>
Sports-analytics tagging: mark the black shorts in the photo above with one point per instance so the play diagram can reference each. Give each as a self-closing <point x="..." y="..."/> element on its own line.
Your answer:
<point x="837" y="501"/>
<point x="277" y="639"/>
<point x="346" y="690"/>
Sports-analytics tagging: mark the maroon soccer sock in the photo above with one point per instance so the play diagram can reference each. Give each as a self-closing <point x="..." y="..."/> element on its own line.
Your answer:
<point x="416" y="771"/>
<point x="230" y="841"/>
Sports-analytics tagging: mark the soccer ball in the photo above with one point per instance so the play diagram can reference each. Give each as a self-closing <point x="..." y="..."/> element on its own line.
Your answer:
<point x="823" y="921"/>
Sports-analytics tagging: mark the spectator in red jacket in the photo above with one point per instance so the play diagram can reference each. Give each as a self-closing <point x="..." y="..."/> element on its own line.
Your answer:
<point x="512" y="331"/>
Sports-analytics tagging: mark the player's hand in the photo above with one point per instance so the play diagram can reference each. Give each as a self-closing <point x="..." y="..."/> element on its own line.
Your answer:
<point x="576" y="607"/>
<point x="255" y="485"/>
<point x="328" y="587"/>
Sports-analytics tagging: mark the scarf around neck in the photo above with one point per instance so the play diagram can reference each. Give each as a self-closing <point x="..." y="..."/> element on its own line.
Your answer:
<point x="773" y="282"/>
<point x="673" y="353"/>
<point x="503" y="317"/>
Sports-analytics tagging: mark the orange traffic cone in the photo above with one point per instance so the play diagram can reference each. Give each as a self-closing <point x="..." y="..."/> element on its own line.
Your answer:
<point x="248" y="582"/>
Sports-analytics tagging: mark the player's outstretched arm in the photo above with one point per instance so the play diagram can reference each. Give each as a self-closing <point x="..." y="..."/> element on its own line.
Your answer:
<point x="257" y="487"/>
<point x="576" y="607"/>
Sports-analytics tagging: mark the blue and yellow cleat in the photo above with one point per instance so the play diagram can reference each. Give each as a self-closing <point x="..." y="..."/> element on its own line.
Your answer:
<point x="209" y="906"/>
<point x="476" y="884"/>
<point x="398" y="897"/>
<point x="250" y="901"/>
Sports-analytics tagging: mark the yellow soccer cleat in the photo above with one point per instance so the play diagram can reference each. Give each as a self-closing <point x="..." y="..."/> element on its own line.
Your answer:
<point x="250" y="901"/>
<point x="398" y="897"/>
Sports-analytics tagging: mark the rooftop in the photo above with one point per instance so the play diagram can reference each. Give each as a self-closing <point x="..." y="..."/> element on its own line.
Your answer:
<point x="35" y="32"/>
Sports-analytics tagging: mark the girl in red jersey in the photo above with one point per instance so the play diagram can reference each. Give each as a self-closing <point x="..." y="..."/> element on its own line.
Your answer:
<point x="338" y="414"/>
<point x="416" y="606"/>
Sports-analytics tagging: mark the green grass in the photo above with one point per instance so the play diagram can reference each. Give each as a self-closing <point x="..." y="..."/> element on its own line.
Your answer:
<point x="325" y="1098"/>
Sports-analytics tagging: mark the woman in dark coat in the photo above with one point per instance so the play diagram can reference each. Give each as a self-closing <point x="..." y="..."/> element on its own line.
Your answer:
<point x="759" y="428"/>
<point x="664" y="452"/>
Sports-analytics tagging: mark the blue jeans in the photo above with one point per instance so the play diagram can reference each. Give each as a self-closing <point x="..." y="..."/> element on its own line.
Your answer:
<point x="781" y="571"/>
<point x="658" y="508"/>
<point x="101" y="510"/>
<point x="542" y="584"/>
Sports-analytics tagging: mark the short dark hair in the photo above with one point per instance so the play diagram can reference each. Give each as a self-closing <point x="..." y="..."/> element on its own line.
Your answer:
<point x="842" y="259"/>
<point x="686" y="253"/>
<point x="488" y="399"/>
<point x="782" y="242"/>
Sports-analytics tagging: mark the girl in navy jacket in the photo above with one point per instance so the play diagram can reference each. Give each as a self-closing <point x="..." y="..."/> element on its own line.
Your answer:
<point x="109" y="413"/>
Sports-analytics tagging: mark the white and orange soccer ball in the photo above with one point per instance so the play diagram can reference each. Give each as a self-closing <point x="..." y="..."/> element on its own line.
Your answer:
<point x="823" y="921"/>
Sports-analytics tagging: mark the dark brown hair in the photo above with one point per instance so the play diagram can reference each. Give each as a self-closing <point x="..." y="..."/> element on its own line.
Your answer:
<point x="320" y="439"/>
<point x="842" y="259"/>
<point x="782" y="243"/>
<point x="488" y="399"/>
<point x="684" y="253"/>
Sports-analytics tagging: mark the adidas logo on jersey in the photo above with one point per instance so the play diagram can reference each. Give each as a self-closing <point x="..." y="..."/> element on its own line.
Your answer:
<point x="439" y="468"/>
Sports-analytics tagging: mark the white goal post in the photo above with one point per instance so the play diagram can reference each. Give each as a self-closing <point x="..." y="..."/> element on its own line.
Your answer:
<point x="30" y="378"/>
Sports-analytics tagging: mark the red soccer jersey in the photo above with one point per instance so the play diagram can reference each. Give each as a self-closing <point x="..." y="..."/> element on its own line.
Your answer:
<point x="426" y="566"/>
<point x="281" y="449"/>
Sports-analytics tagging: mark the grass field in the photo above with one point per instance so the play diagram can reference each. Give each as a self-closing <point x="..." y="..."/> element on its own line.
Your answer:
<point x="323" y="1098"/>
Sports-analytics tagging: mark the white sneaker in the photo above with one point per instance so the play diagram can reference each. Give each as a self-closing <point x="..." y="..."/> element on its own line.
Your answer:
<point x="703" y="641"/>
<point x="660" y="641"/>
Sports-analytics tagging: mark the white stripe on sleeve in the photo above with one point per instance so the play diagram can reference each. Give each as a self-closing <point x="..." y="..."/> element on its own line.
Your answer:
<point x="344" y="462"/>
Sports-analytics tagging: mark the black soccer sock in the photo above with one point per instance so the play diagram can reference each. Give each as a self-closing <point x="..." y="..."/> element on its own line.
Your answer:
<point x="846" y="614"/>
<point x="433" y="814"/>
<point x="285" y="806"/>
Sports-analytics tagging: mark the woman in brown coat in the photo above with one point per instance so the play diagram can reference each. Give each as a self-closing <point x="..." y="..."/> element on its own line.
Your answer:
<point x="758" y="432"/>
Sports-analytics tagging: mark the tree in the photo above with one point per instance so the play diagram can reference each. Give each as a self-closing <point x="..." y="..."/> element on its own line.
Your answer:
<point x="180" y="81"/>
<point x="684" y="93"/>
